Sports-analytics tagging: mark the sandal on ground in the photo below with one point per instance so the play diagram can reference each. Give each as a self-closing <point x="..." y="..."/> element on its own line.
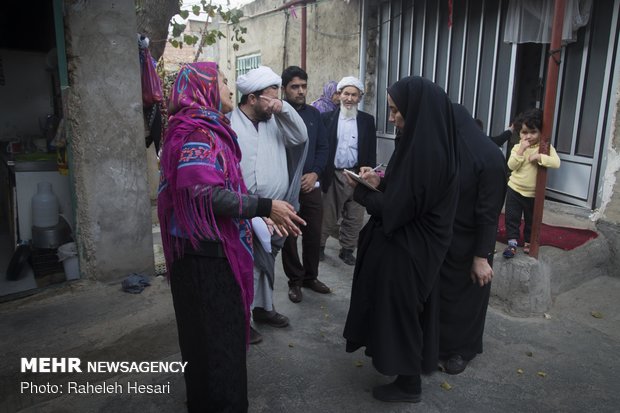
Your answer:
<point x="510" y="251"/>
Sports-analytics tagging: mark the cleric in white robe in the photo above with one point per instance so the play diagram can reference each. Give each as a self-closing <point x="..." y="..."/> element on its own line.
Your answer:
<point x="272" y="137"/>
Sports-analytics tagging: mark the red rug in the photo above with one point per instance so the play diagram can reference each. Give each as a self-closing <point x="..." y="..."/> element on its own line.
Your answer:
<point x="560" y="237"/>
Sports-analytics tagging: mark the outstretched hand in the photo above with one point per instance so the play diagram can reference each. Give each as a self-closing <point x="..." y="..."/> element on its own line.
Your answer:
<point x="285" y="218"/>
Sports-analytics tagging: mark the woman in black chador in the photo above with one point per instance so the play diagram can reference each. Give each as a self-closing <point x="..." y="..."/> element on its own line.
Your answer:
<point x="465" y="276"/>
<point x="394" y="299"/>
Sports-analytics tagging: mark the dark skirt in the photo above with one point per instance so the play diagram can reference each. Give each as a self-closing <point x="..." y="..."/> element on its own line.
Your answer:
<point x="212" y="328"/>
<point x="463" y="310"/>
<point x="385" y="314"/>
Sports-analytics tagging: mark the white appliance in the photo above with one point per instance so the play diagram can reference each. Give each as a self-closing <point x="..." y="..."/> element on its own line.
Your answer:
<point x="26" y="188"/>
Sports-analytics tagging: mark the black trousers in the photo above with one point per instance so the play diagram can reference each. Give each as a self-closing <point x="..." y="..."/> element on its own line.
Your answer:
<point x="311" y="210"/>
<point x="212" y="333"/>
<point x="517" y="205"/>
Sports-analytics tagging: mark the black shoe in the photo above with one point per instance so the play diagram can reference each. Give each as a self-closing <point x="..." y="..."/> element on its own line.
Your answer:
<point x="294" y="293"/>
<point x="393" y="393"/>
<point x="317" y="286"/>
<point x="346" y="255"/>
<point x="255" y="336"/>
<point x="322" y="254"/>
<point x="455" y="365"/>
<point x="272" y="318"/>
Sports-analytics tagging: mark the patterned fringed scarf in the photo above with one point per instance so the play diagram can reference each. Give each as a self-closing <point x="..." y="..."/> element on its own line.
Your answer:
<point x="189" y="169"/>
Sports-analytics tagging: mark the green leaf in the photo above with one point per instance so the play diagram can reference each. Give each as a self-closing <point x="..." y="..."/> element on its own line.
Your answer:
<point x="177" y="29"/>
<point x="446" y="386"/>
<point x="196" y="10"/>
<point x="184" y="14"/>
<point x="190" y="39"/>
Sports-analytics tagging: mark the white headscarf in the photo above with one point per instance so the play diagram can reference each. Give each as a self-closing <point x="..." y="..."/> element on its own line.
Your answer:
<point x="350" y="81"/>
<point x="258" y="79"/>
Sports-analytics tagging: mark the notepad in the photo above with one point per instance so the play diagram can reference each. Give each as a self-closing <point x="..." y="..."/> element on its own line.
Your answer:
<point x="360" y="180"/>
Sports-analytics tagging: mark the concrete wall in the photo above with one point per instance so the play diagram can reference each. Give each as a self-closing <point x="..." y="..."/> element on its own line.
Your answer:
<point x="106" y="140"/>
<point x="609" y="222"/>
<point x="333" y="35"/>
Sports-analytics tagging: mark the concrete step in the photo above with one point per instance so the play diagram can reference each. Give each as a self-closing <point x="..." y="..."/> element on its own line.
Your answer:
<point x="524" y="286"/>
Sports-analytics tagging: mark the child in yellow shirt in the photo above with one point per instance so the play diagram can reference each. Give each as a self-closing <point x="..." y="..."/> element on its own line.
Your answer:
<point x="523" y="163"/>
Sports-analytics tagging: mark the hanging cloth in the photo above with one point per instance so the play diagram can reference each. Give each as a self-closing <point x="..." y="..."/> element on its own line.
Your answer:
<point x="530" y="21"/>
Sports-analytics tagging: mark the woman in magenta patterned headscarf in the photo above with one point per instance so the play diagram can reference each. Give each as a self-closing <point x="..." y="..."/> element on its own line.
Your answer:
<point x="327" y="102"/>
<point x="203" y="209"/>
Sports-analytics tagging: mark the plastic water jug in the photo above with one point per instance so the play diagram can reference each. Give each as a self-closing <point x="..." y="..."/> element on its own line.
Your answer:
<point x="44" y="206"/>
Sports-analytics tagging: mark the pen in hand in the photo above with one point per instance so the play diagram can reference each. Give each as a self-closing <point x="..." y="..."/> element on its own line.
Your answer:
<point x="376" y="168"/>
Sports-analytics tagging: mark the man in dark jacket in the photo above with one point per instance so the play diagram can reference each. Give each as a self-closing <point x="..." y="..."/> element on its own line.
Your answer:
<point x="352" y="144"/>
<point x="294" y="87"/>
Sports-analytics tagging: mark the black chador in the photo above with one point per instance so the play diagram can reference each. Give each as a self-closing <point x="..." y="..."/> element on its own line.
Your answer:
<point x="394" y="298"/>
<point x="482" y="183"/>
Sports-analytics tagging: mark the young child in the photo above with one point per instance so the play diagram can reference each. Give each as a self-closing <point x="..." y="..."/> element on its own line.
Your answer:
<point x="523" y="162"/>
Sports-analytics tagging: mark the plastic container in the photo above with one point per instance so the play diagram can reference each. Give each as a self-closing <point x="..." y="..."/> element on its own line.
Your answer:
<point x="67" y="254"/>
<point x="45" y="207"/>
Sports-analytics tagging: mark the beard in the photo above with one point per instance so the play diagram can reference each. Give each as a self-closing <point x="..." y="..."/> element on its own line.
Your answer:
<point x="297" y="101"/>
<point x="348" y="113"/>
<point x="261" y="115"/>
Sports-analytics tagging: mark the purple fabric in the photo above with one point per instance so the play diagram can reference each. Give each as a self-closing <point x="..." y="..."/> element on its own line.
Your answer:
<point x="191" y="167"/>
<point x="324" y="103"/>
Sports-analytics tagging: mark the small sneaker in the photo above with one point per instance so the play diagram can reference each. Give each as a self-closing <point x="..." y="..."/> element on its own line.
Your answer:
<point x="510" y="251"/>
<point x="526" y="248"/>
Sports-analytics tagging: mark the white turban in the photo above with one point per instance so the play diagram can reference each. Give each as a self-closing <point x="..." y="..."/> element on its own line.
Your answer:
<point x="258" y="79"/>
<point x="350" y="81"/>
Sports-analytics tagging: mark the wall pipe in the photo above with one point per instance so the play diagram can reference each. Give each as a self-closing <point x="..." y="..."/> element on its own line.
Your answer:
<point x="304" y="23"/>
<point x="551" y="89"/>
<point x="277" y="9"/>
<point x="363" y="46"/>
